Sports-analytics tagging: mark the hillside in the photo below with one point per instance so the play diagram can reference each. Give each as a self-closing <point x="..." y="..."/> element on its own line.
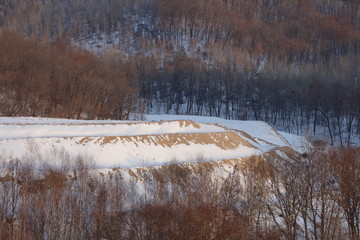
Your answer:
<point x="291" y="63"/>
<point x="179" y="119"/>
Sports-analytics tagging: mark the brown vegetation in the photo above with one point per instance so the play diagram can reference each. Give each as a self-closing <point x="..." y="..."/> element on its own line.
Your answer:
<point x="55" y="80"/>
<point x="313" y="197"/>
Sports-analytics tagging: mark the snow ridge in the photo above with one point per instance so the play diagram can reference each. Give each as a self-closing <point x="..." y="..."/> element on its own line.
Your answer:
<point x="155" y="142"/>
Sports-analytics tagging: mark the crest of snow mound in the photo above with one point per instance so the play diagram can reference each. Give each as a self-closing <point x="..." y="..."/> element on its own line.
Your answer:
<point x="133" y="144"/>
<point x="152" y="150"/>
<point x="222" y="140"/>
<point x="261" y="133"/>
<point x="21" y="129"/>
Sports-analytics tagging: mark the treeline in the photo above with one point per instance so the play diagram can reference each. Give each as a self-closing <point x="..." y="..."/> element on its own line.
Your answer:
<point x="313" y="100"/>
<point x="313" y="197"/>
<point x="56" y="80"/>
<point x="293" y="29"/>
<point x="292" y="63"/>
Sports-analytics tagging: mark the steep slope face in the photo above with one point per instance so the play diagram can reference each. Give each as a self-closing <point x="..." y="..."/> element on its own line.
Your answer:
<point x="163" y="140"/>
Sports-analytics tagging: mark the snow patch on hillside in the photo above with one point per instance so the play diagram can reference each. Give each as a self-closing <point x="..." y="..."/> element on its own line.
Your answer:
<point x="160" y="140"/>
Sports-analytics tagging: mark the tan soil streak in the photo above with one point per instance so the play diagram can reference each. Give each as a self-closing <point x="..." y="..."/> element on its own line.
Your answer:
<point x="180" y="172"/>
<point x="84" y="140"/>
<point x="246" y="135"/>
<point x="240" y="132"/>
<point x="288" y="151"/>
<point x="224" y="140"/>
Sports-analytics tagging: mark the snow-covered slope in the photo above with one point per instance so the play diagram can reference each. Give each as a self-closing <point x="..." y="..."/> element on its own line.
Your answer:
<point x="98" y="128"/>
<point x="160" y="140"/>
<point x="262" y="132"/>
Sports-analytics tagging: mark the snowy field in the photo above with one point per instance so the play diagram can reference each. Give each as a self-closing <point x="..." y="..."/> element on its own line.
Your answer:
<point x="158" y="140"/>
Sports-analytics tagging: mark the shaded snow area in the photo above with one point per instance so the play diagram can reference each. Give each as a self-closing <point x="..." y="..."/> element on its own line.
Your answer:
<point x="159" y="140"/>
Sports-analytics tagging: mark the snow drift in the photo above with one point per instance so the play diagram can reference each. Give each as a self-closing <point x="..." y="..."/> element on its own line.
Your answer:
<point x="160" y="140"/>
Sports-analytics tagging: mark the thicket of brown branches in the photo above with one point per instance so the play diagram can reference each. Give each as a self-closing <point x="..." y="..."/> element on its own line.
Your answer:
<point x="290" y="29"/>
<point x="316" y="197"/>
<point x="56" y="80"/>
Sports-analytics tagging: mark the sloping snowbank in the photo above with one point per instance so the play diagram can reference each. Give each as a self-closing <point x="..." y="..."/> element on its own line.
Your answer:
<point x="98" y="128"/>
<point x="160" y="140"/>
<point x="257" y="129"/>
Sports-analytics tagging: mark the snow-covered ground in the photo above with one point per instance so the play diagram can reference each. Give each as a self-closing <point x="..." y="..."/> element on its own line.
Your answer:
<point x="57" y="128"/>
<point x="158" y="140"/>
<point x="256" y="129"/>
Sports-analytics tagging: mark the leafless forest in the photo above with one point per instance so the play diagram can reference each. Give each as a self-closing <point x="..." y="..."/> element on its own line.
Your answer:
<point x="294" y="64"/>
<point x="313" y="197"/>
<point x="58" y="81"/>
